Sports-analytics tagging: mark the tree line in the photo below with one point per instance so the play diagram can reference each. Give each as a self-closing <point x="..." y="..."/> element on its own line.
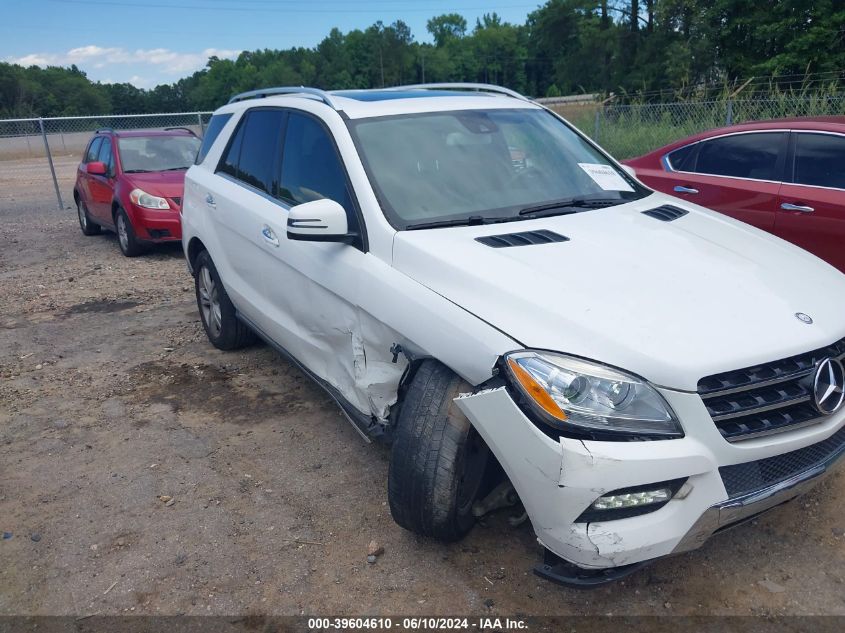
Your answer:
<point x="626" y="47"/>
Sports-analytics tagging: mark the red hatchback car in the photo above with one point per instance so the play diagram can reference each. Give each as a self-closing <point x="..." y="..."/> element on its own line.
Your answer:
<point x="786" y="176"/>
<point x="132" y="183"/>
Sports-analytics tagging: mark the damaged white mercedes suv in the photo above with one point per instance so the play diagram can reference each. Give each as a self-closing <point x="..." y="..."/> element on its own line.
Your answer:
<point x="479" y="284"/>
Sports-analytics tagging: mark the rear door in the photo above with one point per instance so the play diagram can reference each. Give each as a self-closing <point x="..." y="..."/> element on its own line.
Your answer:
<point x="737" y="174"/>
<point x="812" y="202"/>
<point x="102" y="187"/>
<point x="241" y="200"/>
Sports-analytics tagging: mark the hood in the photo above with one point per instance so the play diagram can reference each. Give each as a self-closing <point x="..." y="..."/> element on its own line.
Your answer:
<point x="670" y="301"/>
<point x="167" y="184"/>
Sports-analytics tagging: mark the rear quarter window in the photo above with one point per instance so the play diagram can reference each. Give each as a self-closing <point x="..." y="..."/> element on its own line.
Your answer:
<point x="683" y="159"/>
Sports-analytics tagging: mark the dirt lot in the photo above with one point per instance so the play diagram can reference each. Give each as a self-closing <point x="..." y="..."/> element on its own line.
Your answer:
<point x="110" y="397"/>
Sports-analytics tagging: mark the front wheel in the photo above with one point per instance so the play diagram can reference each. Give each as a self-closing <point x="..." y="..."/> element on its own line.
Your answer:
<point x="221" y="325"/>
<point x="129" y="244"/>
<point x="438" y="461"/>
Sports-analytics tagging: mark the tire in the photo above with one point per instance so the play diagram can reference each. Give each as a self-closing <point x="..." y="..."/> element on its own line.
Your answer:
<point x="223" y="328"/>
<point x="438" y="460"/>
<point x="126" y="239"/>
<point x="85" y="223"/>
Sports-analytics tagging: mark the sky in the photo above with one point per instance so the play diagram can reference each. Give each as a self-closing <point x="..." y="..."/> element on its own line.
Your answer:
<point x="148" y="42"/>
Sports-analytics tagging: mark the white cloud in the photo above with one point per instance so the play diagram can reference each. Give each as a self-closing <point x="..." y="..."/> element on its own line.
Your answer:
<point x="159" y="61"/>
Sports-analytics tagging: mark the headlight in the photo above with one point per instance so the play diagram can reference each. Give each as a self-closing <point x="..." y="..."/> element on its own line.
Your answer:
<point x="576" y="395"/>
<point x="146" y="200"/>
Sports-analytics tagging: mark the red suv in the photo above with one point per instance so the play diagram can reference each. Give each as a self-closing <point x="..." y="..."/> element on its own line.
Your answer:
<point x="785" y="176"/>
<point x="132" y="183"/>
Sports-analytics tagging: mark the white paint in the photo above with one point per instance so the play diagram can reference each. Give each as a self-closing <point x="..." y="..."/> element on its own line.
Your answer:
<point x="670" y="302"/>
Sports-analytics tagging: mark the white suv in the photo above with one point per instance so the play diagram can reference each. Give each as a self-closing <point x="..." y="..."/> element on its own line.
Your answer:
<point x="475" y="281"/>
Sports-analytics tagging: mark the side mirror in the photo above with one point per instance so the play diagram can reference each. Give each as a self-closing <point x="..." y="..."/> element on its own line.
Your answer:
<point x="96" y="168"/>
<point x="321" y="220"/>
<point x="630" y="171"/>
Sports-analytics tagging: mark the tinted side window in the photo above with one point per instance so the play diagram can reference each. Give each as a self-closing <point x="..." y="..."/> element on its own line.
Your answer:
<point x="260" y="149"/>
<point x="229" y="162"/>
<point x="212" y="131"/>
<point x="742" y="156"/>
<point x="820" y="160"/>
<point x="93" y="150"/>
<point x="105" y="155"/>
<point x="311" y="168"/>
<point x="683" y="159"/>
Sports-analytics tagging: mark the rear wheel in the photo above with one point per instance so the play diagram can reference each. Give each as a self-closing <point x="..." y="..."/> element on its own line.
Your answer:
<point x="88" y="227"/>
<point x="438" y="461"/>
<point x="222" y="326"/>
<point x="129" y="244"/>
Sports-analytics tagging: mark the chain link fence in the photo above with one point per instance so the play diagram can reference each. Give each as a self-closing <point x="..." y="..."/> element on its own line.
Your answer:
<point x="627" y="131"/>
<point x="38" y="157"/>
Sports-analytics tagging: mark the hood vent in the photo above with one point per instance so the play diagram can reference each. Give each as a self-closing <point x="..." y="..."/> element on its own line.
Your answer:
<point x="522" y="239"/>
<point x="666" y="213"/>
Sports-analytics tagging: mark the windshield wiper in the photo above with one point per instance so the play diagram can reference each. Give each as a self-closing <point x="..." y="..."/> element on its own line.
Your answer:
<point x="472" y="220"/>
<point x="571" y="205"/>
<point x="173" y="169"/>
<point x="136" y="171"/>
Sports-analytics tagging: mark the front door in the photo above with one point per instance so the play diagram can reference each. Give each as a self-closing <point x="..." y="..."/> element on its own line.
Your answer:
<point x="102" y="186"/>
<point x="812" y="204"/>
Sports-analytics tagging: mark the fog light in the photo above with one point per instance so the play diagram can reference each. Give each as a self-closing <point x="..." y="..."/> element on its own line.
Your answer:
<point x="631" y="502"/>
<point x="632" y="499"/>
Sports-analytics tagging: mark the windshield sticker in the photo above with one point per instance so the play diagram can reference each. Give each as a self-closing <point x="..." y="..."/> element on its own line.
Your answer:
<point x="605" y="177"/>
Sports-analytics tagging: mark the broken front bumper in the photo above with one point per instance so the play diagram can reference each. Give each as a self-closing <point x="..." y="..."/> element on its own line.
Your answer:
<point x="558" y="480"/>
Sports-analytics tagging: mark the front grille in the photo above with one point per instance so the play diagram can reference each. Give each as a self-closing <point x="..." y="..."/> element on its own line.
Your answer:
<point x="177" y="200"/>
<point x="742" y="479"/>
<point x="768" y="398"/>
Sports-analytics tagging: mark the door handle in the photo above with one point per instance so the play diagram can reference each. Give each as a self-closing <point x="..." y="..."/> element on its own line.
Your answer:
<point x="682" y="189"/>
<point x="269" y="236"/>
<point x="787" y="206"/>
<point x="209" y="200"/>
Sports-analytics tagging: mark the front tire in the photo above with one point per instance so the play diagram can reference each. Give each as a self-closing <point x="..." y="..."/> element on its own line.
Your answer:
<point x="222" y="326"/>
<point x="126" y="238"/>
<point x="438" y="461"/>
<point x="88" y="227"/>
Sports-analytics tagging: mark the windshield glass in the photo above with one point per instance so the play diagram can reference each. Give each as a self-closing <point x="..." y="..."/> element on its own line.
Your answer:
<point x="157" y="153"/>
<point x="479" y="165"/>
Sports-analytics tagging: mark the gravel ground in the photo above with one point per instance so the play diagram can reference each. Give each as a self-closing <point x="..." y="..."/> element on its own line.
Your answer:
<point x="112" y="401"/>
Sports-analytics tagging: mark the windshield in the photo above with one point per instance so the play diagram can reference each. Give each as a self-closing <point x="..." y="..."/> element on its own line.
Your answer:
<point x="484" y="165"/>
<point x="157" y="153"/>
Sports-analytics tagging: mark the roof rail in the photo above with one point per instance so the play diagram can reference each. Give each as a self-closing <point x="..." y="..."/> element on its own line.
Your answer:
<point x="464" y="86"/>
<point x="180" y="127"/>
<point x="322" y="95"/>
<point x="104" y="130"/>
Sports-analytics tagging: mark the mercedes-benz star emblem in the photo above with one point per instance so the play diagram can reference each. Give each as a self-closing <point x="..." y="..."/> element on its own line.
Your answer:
<point x="804" y="318"/>
<point x="829" y="386"/>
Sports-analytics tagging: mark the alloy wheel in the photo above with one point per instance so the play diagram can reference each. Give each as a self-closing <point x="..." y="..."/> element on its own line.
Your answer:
<point x="122" y="232"/>
<point x="209" y="301"/>
<point x="83" y="218"/>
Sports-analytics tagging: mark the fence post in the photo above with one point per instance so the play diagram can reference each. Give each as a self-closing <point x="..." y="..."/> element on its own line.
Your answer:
<point x="199" y="120"/>
<point x="729" y="117"/>
<point x="52" y="168"/>
<point x="596" y="128"/>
